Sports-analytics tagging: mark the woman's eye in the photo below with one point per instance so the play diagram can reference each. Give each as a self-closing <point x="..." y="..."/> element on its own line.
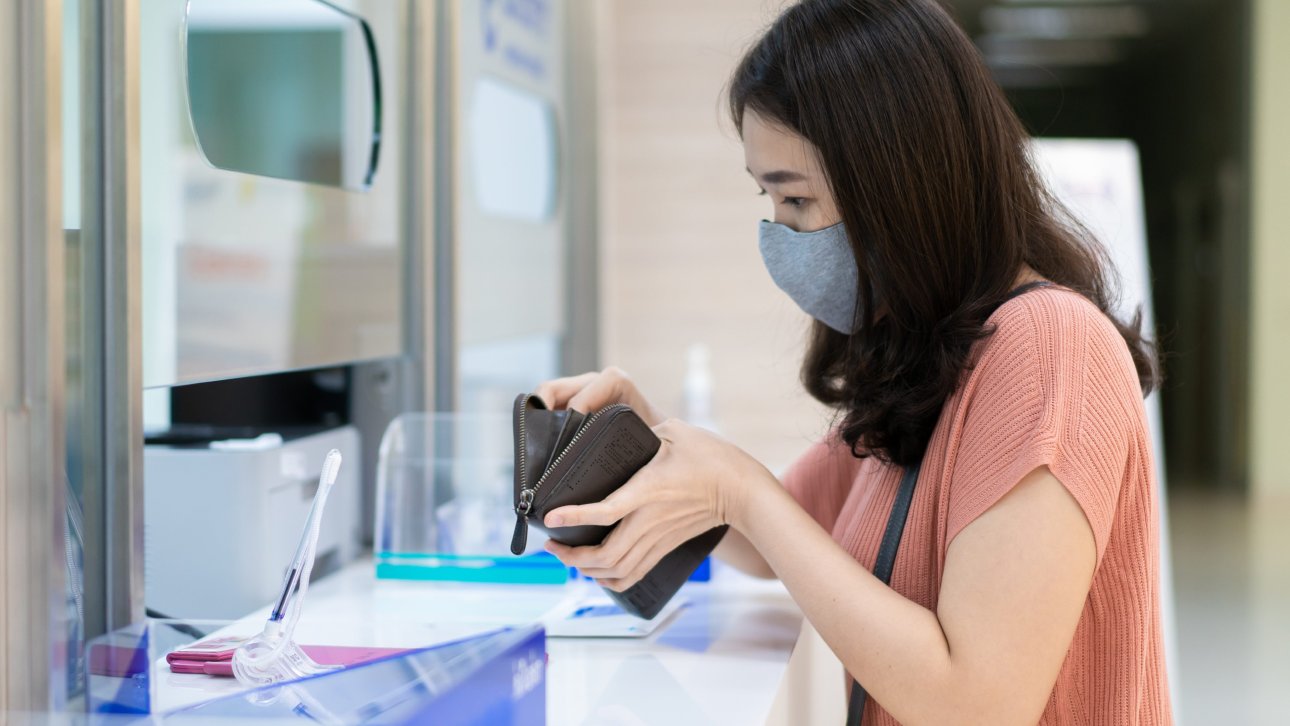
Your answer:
<point x="795" y="202"/>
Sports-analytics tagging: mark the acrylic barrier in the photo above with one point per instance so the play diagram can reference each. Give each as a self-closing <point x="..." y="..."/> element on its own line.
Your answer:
<point x="497" y="677"/>
<point x="443" y="494"/>
<point x="444" y="502"/>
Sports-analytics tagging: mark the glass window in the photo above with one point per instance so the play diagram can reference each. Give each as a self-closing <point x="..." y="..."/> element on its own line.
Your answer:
<point x="287" y="89"/>
<point x="271" y="237"/>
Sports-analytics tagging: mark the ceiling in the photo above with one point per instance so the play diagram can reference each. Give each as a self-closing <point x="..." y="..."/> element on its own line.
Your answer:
<point x="1036" y="43"/>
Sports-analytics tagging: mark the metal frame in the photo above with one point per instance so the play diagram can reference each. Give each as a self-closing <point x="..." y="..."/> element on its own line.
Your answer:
<point x="113" y="348"/>
<point x="585" y="21"/>
<point x="419" y="313"/>
<point x="32" y="453"/>
<point x="578" y="198"/>
<point x="381" y="390"/>
<point x="442" y="300"/>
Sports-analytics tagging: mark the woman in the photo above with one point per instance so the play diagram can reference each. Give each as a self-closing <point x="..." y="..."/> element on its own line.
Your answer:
<point x="962" y="334"/>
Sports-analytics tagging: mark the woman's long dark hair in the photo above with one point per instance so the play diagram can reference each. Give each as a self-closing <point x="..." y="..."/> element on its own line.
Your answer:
<point x="930" y="169"/>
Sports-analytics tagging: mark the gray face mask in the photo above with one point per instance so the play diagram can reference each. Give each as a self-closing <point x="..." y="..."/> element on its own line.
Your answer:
<point x="816" y="269"/>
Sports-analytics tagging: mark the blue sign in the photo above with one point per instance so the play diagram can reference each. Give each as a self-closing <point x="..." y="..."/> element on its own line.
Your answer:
<point x="517" y="31"/>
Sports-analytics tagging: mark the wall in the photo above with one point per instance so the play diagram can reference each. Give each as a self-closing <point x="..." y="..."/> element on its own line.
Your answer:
<point x="1270" y="253"/>
<point x="1182" y="95"/>
<point x="1187" y="105"/>
<point x="679" y="259"/>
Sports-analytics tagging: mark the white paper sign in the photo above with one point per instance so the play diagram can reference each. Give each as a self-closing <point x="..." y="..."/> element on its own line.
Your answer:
<point x="1100" y="182"/>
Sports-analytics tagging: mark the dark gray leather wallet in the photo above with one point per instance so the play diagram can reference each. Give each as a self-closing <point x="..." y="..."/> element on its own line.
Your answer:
<point x="567" y="458"/>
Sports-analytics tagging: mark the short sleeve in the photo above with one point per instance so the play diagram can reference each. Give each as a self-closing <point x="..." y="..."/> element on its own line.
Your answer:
<point x="1054" y="386"/>
<point x="820" y="479"/>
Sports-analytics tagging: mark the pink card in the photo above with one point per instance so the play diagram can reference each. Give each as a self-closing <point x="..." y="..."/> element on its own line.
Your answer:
<point x="341" y="655"/>
<point x="197" y="666"/>
<point x="199" y="652"/>
<point x="348" y="654"/>
<point x="221" y="668"/>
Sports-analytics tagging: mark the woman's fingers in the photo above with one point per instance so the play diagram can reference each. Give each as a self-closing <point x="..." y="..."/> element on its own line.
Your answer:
<point x="609" y="386"/>
<point x="647" y="562"/>
<point x="593" y="391"/>
<point x="637" y="560"/>
<point x="556" y="394"/>
<point x="606" y="557"/>
<point x="608" y="553"/>
<point x="604" y="514"/>
<point x="622" y="502"/>
<point x="643" y="552"/>
<point x="674" y="497"/>
<point x="621" y="549"/>
<point x="590" y="391"/>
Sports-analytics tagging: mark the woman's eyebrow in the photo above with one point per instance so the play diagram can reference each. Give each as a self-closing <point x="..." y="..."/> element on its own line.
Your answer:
<point x="779" y="177"/>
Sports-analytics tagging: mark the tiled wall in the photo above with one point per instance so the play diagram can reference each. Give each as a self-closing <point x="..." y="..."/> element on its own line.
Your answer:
<point x="679" y="258"/>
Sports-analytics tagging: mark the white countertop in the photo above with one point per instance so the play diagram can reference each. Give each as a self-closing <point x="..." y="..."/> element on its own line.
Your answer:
<point x="719" y="660"/>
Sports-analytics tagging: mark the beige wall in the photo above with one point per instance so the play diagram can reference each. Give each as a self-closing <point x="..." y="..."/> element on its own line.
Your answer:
<point x="679" y="259"/>
<point x="1270" y="254"/>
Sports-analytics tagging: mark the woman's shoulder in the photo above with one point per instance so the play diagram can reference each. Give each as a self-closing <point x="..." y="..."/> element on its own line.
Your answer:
<point x="1059" y="334"/>
<point x="1051" y="311"/>
<point x="1055" y="386"/>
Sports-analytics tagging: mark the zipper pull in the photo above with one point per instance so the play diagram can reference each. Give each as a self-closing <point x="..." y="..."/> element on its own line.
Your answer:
<point x="521" y="536"/>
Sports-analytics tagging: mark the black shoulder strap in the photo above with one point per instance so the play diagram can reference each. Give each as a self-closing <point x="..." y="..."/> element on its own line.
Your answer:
<point x="1023" y="289"/>
<point x="896" y="527"/>
<point x="882" y="567"/>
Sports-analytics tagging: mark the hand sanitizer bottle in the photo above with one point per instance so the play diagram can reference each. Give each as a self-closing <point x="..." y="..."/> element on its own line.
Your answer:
<point x="697" y="403"/>
<point x="697" y="388"/>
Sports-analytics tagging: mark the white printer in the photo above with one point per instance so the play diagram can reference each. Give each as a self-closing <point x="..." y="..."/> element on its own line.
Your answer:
<point x="222" y="520"/>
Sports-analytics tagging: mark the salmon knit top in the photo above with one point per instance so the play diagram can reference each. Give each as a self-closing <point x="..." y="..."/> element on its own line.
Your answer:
<point x="1054" y="386"/>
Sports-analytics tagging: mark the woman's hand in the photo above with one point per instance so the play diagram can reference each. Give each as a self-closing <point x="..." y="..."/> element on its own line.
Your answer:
<point x="695" y="482"/>
<point x="593" y="391"/>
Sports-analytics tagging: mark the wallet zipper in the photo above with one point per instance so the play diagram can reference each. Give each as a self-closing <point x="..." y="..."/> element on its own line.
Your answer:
<point x="529" y="494"/>
<point x="521" y="535"/>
